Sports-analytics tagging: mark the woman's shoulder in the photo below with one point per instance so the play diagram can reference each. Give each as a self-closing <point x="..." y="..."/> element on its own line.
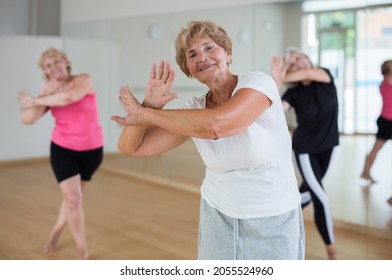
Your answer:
<point x="82" y="76"/>
<point x="81" y="79"/>
<point x="256" y="78"/>
<point x="82" y="82"/>
<point x="261" y="82"/>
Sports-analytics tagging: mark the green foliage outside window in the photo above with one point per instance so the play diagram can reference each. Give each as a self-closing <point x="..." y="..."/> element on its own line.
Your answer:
<point x="337" y="31"/>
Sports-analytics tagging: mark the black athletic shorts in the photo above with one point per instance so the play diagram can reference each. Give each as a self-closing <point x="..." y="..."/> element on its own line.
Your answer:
<point x="67" y="163"/>
<point x="384" y="128"/>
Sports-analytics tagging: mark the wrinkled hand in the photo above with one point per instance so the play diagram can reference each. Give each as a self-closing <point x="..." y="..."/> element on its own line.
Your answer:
<point x="278" y="69"/>
<point x="50" y="87"/>
<point x="131" y="106"/>
<point x="159" y="86"/>
<point x="26" y="100"/>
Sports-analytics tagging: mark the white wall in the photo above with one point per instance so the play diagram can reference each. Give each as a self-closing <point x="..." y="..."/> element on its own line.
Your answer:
<point x="119" y="51"/>
<point x="79" y="10"/>
<point x="19" y="69"/>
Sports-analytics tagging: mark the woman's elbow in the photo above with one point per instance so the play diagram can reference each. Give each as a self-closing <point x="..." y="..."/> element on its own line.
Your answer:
<point x="123" y="148"/>
<point x="127" y="149"/>
<point x="216" y="129"/>
<point x="216" y="132"/>
<point x="27" y="120"/>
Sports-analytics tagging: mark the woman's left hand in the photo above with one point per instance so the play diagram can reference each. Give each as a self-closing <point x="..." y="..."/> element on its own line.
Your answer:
<point x="131" y="106"/>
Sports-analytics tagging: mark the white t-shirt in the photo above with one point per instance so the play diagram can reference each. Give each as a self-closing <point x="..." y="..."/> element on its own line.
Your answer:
<point x="251" y="174"/>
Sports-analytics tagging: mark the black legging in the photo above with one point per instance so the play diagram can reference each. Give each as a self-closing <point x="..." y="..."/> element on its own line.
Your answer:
<point x="313" y="167"/>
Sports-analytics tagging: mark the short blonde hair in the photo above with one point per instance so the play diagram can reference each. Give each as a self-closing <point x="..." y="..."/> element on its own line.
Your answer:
<point x="53" y="52"/>
<point x="202" y="29"/>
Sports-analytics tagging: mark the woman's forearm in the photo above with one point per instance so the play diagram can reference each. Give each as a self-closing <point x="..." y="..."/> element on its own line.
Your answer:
<point x="57" y="99"/>
<point x="296" y="76"/>
<point x="30" y="116"/>
<point x="143" y="141"/>
<point x="199" y="123"/>
<point x="131" y="138"/>
<point x="309" y="74"/>
<point x="156" y="131"/>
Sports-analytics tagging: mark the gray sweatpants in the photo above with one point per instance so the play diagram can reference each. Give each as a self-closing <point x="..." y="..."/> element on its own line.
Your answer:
<point x="272" y="238"/>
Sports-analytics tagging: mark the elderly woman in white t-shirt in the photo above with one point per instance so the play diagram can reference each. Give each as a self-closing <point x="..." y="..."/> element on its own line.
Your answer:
<point x="250" y="203"/>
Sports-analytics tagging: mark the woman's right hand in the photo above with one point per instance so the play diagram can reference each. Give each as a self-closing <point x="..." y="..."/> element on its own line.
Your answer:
<point x="159" y="86"/>
<point x="49" y="87"/>
<point x="25" y="99"/>
<point x="278" y="69"/>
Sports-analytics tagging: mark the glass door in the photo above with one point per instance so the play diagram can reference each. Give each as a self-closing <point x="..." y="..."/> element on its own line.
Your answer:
<point x="336" y="51"/>
<point x="352" y="44"/>
<point x="374" y="45"/>
<point x="333" y="57"/>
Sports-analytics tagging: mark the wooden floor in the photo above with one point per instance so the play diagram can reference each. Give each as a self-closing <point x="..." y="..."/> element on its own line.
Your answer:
<point x="147" y="209"/>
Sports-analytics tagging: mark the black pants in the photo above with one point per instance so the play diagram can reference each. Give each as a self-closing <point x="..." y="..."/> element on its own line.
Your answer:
<point x="313" y="167"/>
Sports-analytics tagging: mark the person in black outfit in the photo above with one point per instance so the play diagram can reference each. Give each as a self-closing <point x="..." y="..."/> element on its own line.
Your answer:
<point x="312" y="93"/>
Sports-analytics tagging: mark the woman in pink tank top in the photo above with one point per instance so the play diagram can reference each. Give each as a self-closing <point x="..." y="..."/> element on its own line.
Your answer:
<point x="76" y="149"/>
<point x="384" y="122"/>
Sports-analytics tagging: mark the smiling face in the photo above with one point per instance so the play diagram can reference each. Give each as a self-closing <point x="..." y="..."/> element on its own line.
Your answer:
<point x="55" y="64"/>
<point x="192" y="39"/>
<point x="55" y="67"/>
<point x="205" y="59"/>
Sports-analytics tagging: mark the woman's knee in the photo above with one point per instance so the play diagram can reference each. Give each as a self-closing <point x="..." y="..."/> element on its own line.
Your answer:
<point x="72" y="192"/>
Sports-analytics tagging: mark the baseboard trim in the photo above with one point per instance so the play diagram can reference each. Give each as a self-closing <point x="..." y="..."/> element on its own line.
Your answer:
<point x="152" y="179"/>
<point x="19" y="162"/>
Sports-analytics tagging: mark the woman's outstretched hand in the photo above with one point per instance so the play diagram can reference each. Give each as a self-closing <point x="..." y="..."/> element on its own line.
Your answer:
<point x="131" y="106"/>
<point x="278" y="69"/>
<point x="159" y="86"/>
<point x="26" y="100"/>
<point x="158" y="94"/>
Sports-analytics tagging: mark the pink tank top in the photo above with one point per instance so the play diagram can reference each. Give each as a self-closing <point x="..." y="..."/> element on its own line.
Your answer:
<point x="386" y="93"/>
<point x="77" y="125"/>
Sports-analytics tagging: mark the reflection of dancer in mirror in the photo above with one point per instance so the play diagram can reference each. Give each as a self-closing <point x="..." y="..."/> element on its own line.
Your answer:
<point x="77" y="141"/>
<point x="312" y="94"/>
<point x="250" y="203"/>
<point x="384" y="121"/>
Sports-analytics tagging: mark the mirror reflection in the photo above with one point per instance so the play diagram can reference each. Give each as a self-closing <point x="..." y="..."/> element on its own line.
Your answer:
<point x="351" y="41"/>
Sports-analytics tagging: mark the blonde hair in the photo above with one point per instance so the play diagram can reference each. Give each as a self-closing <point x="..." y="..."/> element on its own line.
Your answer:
<point x="53" y="52"/>
<point x="386" y="67"/>
<point x="202" y="29"/>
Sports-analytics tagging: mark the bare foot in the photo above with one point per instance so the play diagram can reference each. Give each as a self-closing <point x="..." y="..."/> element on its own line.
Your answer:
<point x="367" y="177"/>
<point x="332" y="252"/>
<point x="82" y="254"/>
<point x="389" y="201"/>
<point x="52" y="243"/>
